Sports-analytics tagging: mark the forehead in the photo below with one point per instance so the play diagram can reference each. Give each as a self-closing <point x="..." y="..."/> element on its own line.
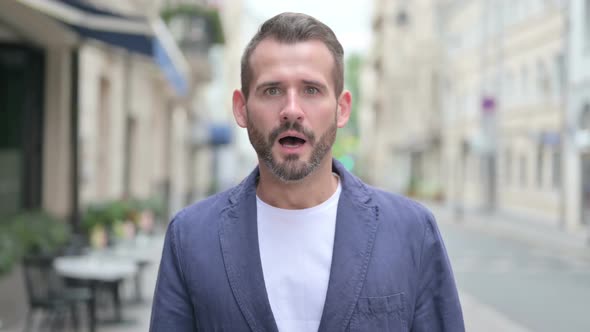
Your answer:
<point x="274" y="60"/>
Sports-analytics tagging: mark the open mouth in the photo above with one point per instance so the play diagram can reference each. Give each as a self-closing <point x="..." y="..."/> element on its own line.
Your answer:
<point x="291" y="141"/>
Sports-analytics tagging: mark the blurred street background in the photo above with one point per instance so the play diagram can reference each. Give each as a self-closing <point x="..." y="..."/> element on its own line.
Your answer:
<point x="114" y="114"/>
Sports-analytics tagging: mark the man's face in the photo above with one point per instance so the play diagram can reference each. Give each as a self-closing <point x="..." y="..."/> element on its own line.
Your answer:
<point x="291" y="112"/>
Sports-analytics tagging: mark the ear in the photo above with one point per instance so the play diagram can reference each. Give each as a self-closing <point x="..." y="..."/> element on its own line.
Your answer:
<point x="344" y="108"/>
<point x="239" y="108"/>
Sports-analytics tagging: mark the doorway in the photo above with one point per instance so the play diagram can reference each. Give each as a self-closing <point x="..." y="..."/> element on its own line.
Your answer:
<point x="21" y="124"/>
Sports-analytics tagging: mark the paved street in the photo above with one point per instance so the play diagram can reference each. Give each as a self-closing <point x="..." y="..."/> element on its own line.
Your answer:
<point x="506" y="284"/>
<point x="527" y="285"/>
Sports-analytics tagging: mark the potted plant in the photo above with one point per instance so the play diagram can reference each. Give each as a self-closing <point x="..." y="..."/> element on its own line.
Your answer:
<point x="107" y="220"/>
<point x="9" y="250"/>
<point x="39" y="233"/>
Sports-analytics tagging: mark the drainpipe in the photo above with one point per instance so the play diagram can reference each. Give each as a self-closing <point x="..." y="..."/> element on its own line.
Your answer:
<point x="74" y="143"/>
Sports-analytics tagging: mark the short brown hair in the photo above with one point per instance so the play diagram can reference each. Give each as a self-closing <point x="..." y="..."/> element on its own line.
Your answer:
<point x="291" y="28"/>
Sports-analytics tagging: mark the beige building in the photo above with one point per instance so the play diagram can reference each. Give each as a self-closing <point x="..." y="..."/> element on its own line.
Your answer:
<point x="465" y="99"/>
<point x="96" y="107"/>
<point x="504" y="102"/>
<point x="36" y="54"/>
<point x="163" y="135"/>
<point x="400" y="111"/>
<point x="577" y="127"/>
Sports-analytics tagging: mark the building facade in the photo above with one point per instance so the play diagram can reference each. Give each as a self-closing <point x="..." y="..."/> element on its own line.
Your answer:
<point x="96" y="106"/>
<point x="577" y="128"/>
<point x="400" y="111"/>
<point x="37" y="55"/>
<point x="504" y="104"/>
<point x="483" y="103"/>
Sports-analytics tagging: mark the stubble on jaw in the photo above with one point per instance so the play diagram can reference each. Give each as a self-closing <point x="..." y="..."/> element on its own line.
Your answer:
<point x="292" y="169"/>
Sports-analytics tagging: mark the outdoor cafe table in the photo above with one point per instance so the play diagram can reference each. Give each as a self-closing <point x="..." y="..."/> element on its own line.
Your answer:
<point x="136" y="254"/>
<point x="142" y="251"/>
<point x="94" y="270"/>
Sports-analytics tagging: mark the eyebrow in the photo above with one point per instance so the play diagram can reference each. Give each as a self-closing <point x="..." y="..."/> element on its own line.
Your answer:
<point x="315" y="83"/>
<point x="267" y="85"/>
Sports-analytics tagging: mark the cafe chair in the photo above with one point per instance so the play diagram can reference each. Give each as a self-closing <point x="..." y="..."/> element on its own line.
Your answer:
<point x="50" y="297"/>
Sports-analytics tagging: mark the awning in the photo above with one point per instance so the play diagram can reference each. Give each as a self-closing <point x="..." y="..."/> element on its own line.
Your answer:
<point x="136" y="34"/>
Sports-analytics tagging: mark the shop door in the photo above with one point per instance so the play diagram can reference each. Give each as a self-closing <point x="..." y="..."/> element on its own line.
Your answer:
<point x="21" y="124"/>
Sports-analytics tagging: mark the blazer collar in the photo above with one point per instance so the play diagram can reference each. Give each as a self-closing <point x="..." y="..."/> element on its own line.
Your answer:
<point x="356" y="225"/>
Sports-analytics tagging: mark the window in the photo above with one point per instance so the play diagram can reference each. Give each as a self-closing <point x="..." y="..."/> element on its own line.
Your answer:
<point x="540" y="166"/>
<point x="523" y="167"/>
<point x="585" y="118"/>
<point x="559" y="74"/>
<point x="516" y="85"/>
<point x="543" y="89"/>
<point x="104" y="153"/>
<point x="508" y="89"/>
<point x="556" y="175"/>
<point x="524" y="84"/>
<point x="507" y="166"/>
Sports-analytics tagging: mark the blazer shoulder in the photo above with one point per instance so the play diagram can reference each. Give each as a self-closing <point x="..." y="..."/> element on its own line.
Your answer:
<point x="404" y="209"/>
<point x="201" y="211"/>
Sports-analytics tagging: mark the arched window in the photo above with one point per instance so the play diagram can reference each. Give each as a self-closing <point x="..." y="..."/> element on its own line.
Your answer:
<point x="559" y="75"/>
<point x="542" y="84"/>
<point x="523" y="170"/>
<point x="508" y="94"/>
<point x="524" y="88"/>
<point x="540" y="165"/>
<point x="585" y="117"/>
<point x="508" y="166"/>
<point x="517" y="87"/>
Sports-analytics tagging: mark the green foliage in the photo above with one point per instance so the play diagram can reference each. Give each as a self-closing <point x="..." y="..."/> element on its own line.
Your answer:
<point x="345" y="149"/>
<point x="211" y="15"/>
<point x="107" y="214"/>
<point x="153" y="204"/>
<point x="39" y="233"/>
<point x="9" y="250"/>
<point x="31" y="233"/>
<point x="354" y="64"/>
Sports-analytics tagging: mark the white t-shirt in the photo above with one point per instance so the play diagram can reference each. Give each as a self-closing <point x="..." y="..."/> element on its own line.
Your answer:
<point x="296" y="252"/>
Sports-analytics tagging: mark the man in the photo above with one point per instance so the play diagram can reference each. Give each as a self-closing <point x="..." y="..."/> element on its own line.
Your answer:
<point x="301" y="244"/>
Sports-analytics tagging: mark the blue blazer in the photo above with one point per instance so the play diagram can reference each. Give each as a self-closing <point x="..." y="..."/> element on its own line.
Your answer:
<point x="390" y="270"/>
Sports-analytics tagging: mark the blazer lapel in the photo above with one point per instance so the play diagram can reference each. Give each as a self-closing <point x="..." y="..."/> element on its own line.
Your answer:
<point x="239" y="244"/>
<point x="356" y="226"/>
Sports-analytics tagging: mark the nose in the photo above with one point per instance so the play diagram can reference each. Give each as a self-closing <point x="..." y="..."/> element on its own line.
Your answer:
<point x="292" y="110"/>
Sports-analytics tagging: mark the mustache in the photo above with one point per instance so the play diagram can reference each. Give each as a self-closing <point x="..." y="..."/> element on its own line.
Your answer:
<point x="294" y="126"/>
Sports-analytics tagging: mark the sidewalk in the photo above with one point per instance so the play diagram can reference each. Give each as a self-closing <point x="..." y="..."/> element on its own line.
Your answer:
<point x="479" y="317"/>
<point x="518" y="228"/>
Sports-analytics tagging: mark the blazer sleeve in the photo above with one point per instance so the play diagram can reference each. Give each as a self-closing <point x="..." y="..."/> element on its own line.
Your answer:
<point x="437" y="304"/>
<point x="172" y="309"/>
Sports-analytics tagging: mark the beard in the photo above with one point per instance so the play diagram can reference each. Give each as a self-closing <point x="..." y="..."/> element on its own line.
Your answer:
<point x="293" y="168"/>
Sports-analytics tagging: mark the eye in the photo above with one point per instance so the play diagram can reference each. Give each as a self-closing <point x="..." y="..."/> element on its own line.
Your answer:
<point x="273" y="91"/>
<point x="310" y="90"/>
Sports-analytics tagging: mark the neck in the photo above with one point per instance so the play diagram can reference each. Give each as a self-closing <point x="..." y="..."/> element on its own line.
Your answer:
<point x="312" y="190"/>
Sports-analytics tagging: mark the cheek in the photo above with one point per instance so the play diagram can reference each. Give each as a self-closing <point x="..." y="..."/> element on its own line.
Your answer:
<point x="261" y="123"/>
<point x="322" y="115"/>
